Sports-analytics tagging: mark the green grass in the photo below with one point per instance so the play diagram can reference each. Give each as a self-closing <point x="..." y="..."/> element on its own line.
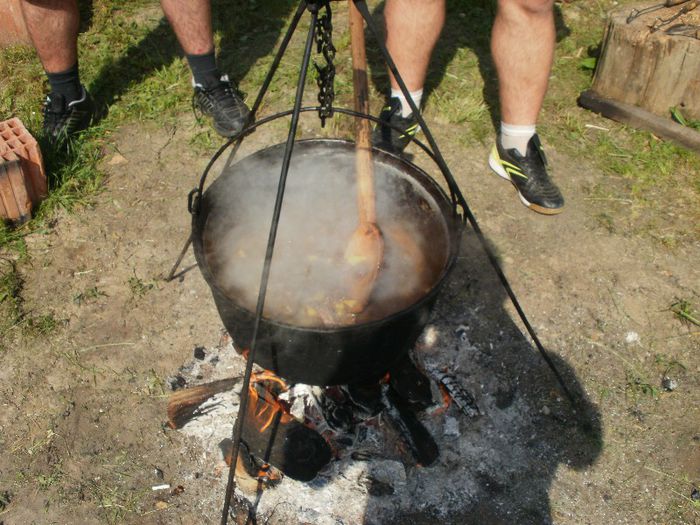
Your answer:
<point x="88" y="295"/>
<point x="5" y="500"/>
<point x="139" y="287"/>
<point x="11" y="308"/>
<point x="637" y="386"/>
<point x="684" y="310"/>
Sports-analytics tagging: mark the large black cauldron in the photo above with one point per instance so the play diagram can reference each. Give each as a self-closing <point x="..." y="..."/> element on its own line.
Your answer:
<point x="358" y="353"/>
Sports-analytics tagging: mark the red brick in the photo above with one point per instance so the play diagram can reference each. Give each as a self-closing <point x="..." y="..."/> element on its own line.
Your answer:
<point x="16" y="203"/>
<point x="15" y="138"/>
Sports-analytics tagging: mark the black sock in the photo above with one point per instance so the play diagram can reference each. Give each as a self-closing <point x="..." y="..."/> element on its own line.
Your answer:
<point x="66" y="83"/>
<point x="204" y="69"/>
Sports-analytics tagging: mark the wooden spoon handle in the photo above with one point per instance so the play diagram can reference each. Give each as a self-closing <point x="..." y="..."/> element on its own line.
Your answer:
<point x="363" y="159"/>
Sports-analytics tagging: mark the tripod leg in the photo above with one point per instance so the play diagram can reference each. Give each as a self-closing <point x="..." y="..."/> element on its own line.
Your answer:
<point x="180" y="257"/>
<point x="270" y="74"/>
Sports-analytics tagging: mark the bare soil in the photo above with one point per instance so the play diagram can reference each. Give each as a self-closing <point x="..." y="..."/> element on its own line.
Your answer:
<point x="83" y="408"/>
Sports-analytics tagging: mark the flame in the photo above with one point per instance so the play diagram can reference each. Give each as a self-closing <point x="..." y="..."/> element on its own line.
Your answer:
<point x="446" y="400"/>
<point x="268" y="474"/>
<point x="266" y="375"/>
<point x="263" y="409"/>
<point x="446" y="397"/>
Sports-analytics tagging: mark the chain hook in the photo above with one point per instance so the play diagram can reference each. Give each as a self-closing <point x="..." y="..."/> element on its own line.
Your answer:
<point x="325" y="75"/>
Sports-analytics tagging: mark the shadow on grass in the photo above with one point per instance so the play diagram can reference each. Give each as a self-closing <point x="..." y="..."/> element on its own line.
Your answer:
<point x="249" y="31"/>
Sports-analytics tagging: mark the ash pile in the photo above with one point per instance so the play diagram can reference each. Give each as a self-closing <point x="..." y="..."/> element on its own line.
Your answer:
<point x="471" y="429"/>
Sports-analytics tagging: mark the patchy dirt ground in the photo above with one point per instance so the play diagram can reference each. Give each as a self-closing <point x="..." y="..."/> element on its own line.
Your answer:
<point x="83" y="408"/>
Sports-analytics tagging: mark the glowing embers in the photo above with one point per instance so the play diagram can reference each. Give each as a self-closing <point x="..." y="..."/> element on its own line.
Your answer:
<point x="295" y="430"/>
<point x="299" y="428"/>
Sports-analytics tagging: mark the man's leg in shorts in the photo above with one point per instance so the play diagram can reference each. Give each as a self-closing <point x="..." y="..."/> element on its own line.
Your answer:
<point x="214" y="95"/>
<point x="191" y="21"/>
<point x="413" y="28"/>
<point x="522" y="46"/>
<point x="53" y="28"/>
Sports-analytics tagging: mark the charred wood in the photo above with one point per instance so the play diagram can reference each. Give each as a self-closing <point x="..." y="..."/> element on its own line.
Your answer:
<point x="411" y="430"/>
<point x="411" y="384"/>
<point x="462" y="398"/>
<point x="367" y="398"/>
<point x="295" y="449"/>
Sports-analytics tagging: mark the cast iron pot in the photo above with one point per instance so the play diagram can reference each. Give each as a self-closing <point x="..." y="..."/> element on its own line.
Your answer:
<point x="359" y="353"/>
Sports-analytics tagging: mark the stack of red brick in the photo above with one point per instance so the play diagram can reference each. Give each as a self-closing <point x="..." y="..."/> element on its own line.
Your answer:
<point x="22" y="176"/>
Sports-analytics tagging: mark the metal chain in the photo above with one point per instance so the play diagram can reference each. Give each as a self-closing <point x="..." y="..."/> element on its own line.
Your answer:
<point x="325" y="75"/>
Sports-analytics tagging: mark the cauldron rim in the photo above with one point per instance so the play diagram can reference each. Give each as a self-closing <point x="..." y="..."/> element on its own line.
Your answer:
<point x="452" y="220"/>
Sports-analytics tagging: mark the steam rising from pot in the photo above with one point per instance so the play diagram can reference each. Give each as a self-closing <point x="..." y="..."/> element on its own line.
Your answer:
<point x="319" y="215"/>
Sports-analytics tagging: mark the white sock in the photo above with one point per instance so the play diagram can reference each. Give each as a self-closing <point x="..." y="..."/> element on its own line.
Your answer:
<point x="405" y="108"/>
<point x="516" y="136"/>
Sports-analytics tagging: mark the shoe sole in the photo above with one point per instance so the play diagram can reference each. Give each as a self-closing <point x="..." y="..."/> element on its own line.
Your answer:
<point x="498" y="170"/>
<point x="226" y="133"/>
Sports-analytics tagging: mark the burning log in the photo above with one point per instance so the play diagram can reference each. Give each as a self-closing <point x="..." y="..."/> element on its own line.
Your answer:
<point x="252" y="474"/>
<point x="271" y="433"/>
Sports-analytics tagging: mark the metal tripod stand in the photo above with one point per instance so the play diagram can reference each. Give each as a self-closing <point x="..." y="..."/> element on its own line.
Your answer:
<point x="320" y="24"/>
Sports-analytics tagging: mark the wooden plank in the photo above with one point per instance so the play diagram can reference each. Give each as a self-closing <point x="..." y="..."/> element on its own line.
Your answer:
<point x="640" y="118"/>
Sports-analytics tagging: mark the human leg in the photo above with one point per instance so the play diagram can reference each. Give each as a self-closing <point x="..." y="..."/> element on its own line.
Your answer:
<point x="53" y="28"/>
<point x="214" y="95"/>
<point x="191" y="21"/>
<point x="522" y="46"/>
<point x="413" y="28"/>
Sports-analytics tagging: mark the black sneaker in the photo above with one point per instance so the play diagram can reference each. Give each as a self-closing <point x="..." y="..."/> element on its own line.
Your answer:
<point x="529" y="176"/>
<point x="388" y="139"/>
<point x="62" y="120"/>
<point x="223" y="103"/>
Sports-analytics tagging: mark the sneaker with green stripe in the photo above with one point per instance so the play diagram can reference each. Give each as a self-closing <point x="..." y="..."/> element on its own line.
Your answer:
<point x="528" y="173"/>
<point x="390" y="139"/>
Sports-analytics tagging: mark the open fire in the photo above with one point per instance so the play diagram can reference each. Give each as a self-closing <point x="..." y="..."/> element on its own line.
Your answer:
<point x="467" y="427"/>
<point x="298" y="429"/>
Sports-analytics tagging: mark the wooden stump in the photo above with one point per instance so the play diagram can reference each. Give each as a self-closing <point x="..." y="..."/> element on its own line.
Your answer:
<point x="654" y="71"/>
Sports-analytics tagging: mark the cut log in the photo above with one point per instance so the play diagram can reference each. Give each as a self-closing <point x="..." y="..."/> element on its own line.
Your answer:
<point x="640" y="118"/>
<point x="650" y="69"/>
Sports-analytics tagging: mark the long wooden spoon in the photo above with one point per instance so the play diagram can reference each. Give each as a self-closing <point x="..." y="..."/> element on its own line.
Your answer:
<point x="365" y="251"/>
